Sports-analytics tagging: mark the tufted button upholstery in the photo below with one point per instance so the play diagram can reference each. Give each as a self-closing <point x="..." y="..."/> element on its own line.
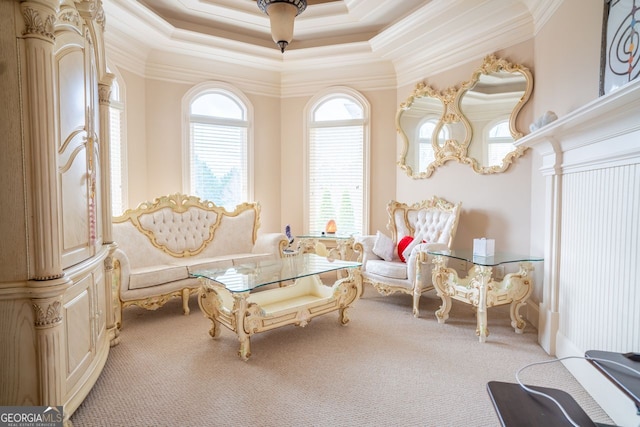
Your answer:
<point x="432" y="226"/>
<point x="180" y="231"/>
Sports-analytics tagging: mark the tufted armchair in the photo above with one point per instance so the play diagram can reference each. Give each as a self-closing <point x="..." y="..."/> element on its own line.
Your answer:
<point x="390" y="267"/>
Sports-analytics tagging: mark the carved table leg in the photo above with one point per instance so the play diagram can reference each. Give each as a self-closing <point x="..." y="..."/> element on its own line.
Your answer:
<point x="521" y="285"/>
<point x="517" y="322"/>
<point x="348" y="290"/>
<point x="483" y="275"/>
<point x="440" y="279"/>
<point x="343" y="316"/>
<point x="210" y="305"/>
<point x="417" y="292"/>
<point x="185" y="301"/>
<point x="240" y="311"/>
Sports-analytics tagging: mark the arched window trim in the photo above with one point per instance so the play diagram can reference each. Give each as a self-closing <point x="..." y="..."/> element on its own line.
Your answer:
<point x="310" y="108"/>
<point x="229" y="90"/>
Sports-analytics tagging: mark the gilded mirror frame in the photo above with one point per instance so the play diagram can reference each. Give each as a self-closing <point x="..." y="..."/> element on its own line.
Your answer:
<point x="452" y="114"/>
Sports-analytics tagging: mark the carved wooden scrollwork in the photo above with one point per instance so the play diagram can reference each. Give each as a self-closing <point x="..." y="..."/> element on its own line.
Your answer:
<point x="36" y="25"/>
<point x="47" y="314"/>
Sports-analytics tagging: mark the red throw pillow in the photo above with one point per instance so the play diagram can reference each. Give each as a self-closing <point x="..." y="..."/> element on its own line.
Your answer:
<point x="402" y="245"/>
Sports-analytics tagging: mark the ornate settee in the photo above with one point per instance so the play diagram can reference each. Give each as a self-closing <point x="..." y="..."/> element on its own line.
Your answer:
<point x="160" y="243"/>
<point x="430" y="224"/>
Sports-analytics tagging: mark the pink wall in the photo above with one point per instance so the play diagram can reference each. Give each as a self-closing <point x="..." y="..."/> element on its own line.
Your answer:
<point x="135" y="109"/>
<point x="493" y="206"/>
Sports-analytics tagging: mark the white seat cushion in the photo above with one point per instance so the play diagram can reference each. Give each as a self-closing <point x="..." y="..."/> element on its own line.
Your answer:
<point x="393" y="269"/>
<point x="156" y="275"/>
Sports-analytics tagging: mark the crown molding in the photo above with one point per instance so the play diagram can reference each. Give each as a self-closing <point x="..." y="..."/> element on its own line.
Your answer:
<point x="377" y="75"/>
<point x="135" y="22"/>
<point x="417" y="54"/>
<point x="134" y="58"/>
<point x="421" y="44"/>
<point x="541" y="11"/>
<point x="184" y="69"/>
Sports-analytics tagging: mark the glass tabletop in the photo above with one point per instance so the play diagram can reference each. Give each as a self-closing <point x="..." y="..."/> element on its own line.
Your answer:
<point x="488" y="261"/>
<point x="249" y="276"/>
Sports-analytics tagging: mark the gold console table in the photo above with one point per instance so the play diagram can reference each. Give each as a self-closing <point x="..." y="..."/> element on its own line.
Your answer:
<point x="480" y="289"/>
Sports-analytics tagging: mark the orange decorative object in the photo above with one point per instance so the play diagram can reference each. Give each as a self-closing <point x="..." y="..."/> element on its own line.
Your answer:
<point x="331" y="227"/>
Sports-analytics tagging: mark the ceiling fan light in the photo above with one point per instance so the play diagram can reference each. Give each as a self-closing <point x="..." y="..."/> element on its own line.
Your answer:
<point x="282" y="14"/>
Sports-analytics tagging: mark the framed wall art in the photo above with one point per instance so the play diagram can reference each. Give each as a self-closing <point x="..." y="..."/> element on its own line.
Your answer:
<point x="620" y="44"/>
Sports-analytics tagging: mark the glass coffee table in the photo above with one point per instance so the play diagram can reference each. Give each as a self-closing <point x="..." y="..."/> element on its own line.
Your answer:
<point x="232" y="296"/>
<point x="480" y="289"/>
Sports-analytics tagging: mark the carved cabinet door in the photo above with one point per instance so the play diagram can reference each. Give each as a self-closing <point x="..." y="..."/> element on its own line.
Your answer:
<point x="78" y="154"/>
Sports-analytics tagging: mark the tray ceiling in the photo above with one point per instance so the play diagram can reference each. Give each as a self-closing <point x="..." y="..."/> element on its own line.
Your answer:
<point x="414" y="37"/>
<point x="323" y="23"/>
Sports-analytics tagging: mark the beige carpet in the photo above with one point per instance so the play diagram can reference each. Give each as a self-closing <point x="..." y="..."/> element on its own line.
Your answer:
<point x="385" y="368"/>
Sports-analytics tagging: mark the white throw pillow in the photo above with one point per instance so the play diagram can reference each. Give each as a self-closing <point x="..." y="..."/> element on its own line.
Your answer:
<point x="384" y="247"/>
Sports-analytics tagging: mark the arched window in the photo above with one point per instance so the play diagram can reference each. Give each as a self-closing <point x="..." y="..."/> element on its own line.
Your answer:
<point x="117" y="148"/>
<point x="217" y="154"/>
<point x="499" y="142"/>
<point x="337" y="162"/>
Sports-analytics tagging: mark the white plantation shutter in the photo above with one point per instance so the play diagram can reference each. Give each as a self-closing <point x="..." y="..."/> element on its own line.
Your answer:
<point x="218" y="149"/>
<point x="336" y="166"/>
<point x="117" y="202"/>
<point x="117" y="151"/>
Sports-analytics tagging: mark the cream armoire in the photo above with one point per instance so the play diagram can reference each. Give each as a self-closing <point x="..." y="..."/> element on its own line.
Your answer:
<point x="56" y="311"/>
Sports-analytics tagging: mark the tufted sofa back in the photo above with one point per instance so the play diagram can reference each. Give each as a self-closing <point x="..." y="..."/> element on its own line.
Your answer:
<point x="434" y="220"/>
<point x="184" y="226"/>
<point x="179" y="232"/>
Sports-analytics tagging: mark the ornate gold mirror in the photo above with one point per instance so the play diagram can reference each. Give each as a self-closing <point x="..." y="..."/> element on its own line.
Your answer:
<point x="474" y="124"/>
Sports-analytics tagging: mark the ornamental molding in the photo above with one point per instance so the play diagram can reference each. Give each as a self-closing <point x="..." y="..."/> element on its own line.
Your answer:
<point x="104" y="93"/>
<point x="35" y="25"/>
<point x="70" y="16"/>
<point x="100" y="17"/>
<point x="47" y="314"/>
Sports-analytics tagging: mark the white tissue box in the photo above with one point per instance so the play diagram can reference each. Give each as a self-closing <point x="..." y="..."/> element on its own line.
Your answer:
<point x="484" y="247"/>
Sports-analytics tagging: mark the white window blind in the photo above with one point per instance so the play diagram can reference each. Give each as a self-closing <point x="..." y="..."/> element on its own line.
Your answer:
<point x="218" y="149"/>
<point x="218" y="163"/>
<point x="336" y="169"/>
<point x="116" y="151"/>
<point x="117" y="203"/>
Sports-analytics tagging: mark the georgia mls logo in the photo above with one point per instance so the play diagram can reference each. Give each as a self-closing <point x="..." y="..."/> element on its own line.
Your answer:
<point x="52" y="408"/>
<point x="31" y="416"/>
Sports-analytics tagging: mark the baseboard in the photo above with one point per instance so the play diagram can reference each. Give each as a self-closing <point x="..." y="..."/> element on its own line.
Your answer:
<point x="532" y="313"/>
<point x="616" y="404"/>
